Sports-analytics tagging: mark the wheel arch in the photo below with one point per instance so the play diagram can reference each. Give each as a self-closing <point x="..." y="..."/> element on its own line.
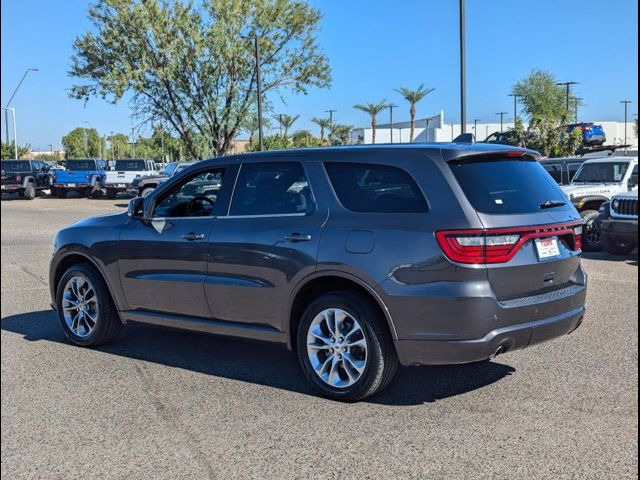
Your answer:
<point x="591" y="202"/>
<point x="327" y="281"/>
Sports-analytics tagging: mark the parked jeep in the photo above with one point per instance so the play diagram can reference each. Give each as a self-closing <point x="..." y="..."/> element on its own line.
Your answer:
<point x="86" y="176"/>
<point x="618" y="223"/>
<point x="562" y="169"/>
<point x="143" y="186"/>
<point x="595" y="183"/>
<point x="25" y="177"/>
<point x="125" y="172"/>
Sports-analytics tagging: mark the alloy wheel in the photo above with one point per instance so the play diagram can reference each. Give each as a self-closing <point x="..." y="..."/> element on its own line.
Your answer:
<point x="80" y="306"/>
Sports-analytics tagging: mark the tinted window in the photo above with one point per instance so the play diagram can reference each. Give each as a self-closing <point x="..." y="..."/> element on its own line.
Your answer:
<point x="605" y="172"/>
<point x="364" y="187"/>
<point x="15" y="166"/>
<point x="130" y="165"/>
<point x="195" y="197"/>
<point x="82" y="165"/>
<point x="507" y="186"/>
<point x="573" y="168"/>
<point x="168" y="170"/>
<point x="633" y="180"/>
<point x="271" y="189"/>
<point x="555" y="171"/>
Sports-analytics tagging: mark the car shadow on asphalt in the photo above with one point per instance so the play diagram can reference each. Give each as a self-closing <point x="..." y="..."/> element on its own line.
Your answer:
<point x="260" y="363"/>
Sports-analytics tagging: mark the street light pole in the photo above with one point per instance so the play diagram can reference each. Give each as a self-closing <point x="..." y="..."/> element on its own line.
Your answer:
<point x="463" y="72"/>
<point x="6" y="115"/>
<point x="330" y="112"/>
<point x="568" y="87"/>
<point x="502" y="114"/>
<point x="259" y="92"/>
<point x="515" y="107"/>
<point x="15" y="135"/>
<point x="626" y="109"/>
<point x="391" y="106"/>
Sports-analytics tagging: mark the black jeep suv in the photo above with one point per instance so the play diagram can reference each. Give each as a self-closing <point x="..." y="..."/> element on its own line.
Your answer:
<point x="25" y="177"/>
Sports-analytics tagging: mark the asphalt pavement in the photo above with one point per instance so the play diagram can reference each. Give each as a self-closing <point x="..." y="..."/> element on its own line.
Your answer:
<point x="166" y="404"/>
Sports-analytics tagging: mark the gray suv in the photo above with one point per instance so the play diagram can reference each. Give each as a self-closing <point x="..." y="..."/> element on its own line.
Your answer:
<point x="358" y="258"/>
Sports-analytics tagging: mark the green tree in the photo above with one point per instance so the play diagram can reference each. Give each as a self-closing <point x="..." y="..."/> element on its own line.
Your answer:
<point x="341" y="134"/>
<point x="286" y="122"/>
<point x="8" y="150"/>
<point x="119" y="146"/>
<point x="542" y="98"/>
<point x="373" y="109"/>
<point x="304" y="138"/>
<point x="272" y="142"/>
<point x="192" y="66"/>
<point x="83" y="143"/>
<point x="323" y="123"/>
<point x="413" y="97"/>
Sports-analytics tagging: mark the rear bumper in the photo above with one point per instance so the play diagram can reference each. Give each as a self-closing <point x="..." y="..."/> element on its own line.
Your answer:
<point x="501" y="340"/>
<point x="12" y="187"/>
<point x="75" y="187"/>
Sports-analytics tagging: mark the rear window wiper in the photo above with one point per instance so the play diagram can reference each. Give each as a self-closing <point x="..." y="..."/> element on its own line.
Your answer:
<point x="552" y="203"/>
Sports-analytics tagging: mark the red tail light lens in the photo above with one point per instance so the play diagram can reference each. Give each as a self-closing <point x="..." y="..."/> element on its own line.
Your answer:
<point x="487" y="246"/>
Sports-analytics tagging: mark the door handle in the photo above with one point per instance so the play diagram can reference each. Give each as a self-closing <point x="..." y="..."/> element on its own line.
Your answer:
<point x="297" y="237"/>
<point x="193" y="236"/>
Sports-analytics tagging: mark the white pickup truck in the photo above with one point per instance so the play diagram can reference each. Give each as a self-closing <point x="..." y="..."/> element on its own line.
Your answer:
<point x="125" y="172"/>
<point x="595" y="183"/>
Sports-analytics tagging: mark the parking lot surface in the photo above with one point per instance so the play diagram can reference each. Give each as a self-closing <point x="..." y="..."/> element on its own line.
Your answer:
<point x="165" y="404"/>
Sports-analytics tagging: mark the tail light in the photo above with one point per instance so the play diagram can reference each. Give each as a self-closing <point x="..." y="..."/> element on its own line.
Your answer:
<point x="499" y="245"/>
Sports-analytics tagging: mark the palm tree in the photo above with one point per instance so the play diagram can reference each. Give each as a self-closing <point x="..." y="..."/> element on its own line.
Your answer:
<point x="373" y="109"/>
<point x="413" y="97"/>
<point x="340" y="134"/>
<point x="323" y="123"/>
<point x="286" y="122"/>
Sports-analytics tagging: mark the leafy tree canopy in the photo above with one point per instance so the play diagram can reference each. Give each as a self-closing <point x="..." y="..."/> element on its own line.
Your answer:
<point x="541" y="98"/>
<point x="82" y="143"/>
<point x="192" y="66"/>
<point x="8" y="150"/>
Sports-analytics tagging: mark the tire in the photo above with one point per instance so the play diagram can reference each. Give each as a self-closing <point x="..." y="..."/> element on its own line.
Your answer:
<point x="111" y="193"/>
<point x="146" y="192"/>
<point x="107" y="323"/>
<point x="617" y="247"/>
<point x="377" y="362"/>
<point x="95" y="191"/>
<point x="29" y="192"/>
<point x="591" y="241"/>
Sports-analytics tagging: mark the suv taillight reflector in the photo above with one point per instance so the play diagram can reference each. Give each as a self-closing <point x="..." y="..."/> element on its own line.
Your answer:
<point x="499" y="245"/>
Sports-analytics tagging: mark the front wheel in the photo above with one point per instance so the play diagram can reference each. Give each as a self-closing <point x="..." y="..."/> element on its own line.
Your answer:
<point x="29" y="191"/>
<point x="344" y="346"/>
<point x="617" y="247"/>
<point x="85" y="309"/>
<point x="591" y="241"/>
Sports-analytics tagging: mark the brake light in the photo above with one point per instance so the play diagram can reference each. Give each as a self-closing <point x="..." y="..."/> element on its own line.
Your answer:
<point x="499" y="245"/>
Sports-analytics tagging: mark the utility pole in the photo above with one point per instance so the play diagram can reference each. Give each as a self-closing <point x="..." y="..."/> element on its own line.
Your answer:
<point x="463" y="71"/>
<point x="15" y="135"/>
<point x="568" y="87"/>
<point x="626" y="109"/>
<point x="515" y="107"/>
<point x="330" y="112"/>
<point x="502" y="114"/>
<point x="391" y="106"/>
<point x="475" y="127"/>
<point x="259" y="93"/>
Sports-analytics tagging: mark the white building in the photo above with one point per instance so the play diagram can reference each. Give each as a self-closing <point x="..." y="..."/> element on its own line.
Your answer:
<point x="435" y="129"/>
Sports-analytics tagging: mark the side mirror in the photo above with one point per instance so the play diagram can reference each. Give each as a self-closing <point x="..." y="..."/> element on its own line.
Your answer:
<point x="136" y="207"/>
<point x="632" y="183"/>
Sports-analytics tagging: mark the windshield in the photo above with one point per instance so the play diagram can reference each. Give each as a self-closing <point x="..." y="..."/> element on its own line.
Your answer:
<point x="169" y="169"/>
<point x="81" y="165"/>
<point x="604" y="172"/>
<point x="181" y="167"/>
<point x="508" y="186"/>
<point x="130" y="165"/>
<point x="15" y="166"/>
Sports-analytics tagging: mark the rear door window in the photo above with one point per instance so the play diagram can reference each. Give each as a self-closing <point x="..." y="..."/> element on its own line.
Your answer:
<point x="508" y="186"/>
<point x="555" y="170"/>
<point x="279" y="188"/>
<point x="375" y="188"/>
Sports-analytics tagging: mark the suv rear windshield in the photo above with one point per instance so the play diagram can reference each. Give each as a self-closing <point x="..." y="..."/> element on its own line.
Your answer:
<point x="130" y="165"/>
<point x="15" y="166"/>
<point x="81" y="165"/>
<point x="601" y="172"/>
<point x="373" y="188"/>
<point x="508" y="186"/>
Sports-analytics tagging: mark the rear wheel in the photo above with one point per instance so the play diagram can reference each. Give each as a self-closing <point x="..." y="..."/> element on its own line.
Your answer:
<point x="95" y="191"/>
<point x="591" y="241"/>
<point x="344" y="346"/>
<point x="85" y="309"/>
<point x="617" y="247"/>
<point x="29" y="191"/>
<point x="111" y="193"/>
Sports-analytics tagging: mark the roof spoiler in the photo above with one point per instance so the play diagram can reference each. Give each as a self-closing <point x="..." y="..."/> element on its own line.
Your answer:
<point x="466" y="138"/>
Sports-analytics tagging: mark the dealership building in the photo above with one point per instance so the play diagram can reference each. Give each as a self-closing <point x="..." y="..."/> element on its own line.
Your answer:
<point x="435" y="129"/>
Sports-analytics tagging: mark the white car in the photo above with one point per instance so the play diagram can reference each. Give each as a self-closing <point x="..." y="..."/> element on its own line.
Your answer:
<point x="125" y="172"/>
<point x="595" y="183"/>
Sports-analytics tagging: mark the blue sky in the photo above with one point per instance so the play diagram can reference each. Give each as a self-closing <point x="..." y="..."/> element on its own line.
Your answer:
<point x="374" y="46"/>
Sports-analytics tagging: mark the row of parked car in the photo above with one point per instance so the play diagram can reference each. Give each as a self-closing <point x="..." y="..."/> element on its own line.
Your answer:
<point x="603" y="190"/>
